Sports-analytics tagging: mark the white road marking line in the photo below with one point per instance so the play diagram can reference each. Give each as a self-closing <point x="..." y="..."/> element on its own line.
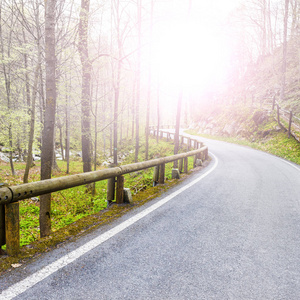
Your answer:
<point x="38" y="276"/>
<point x="287" y="162"/>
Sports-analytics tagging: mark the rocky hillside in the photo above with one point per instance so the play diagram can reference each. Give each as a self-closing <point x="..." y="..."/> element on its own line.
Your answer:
<point x="237" y="121"/>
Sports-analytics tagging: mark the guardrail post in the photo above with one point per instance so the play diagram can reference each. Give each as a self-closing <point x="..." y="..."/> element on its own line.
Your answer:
<point x="188" y="144"/>
<point x="110" y="196"/>
<point x="120" y="188"/>
<point x="206" y="154"/>
<point x="180" y="164"/>
<point x="155" y="175"/>
<point x="185" y="169"/>
<point x="195" y="160"/>
<point x="2" y="226"/>
<point x="162" y="173"/>
<point x="290" y="123"/>
<point x="278" y="115"/>
<point x="12" y="228"/>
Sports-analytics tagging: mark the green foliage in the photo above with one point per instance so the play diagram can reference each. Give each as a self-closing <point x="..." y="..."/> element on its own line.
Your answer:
<point x="70" y="205"/>
<point x="276" y="143"/>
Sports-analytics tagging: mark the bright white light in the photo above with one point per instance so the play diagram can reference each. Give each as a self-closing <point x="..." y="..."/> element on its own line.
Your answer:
<point x="188" y="54"/>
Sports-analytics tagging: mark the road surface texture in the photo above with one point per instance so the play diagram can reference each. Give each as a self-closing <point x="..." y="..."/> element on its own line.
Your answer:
<point x="231" y="231"/>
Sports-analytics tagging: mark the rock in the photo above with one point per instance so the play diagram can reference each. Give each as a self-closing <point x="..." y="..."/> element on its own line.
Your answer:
<point x="127" y="195"/>
<point x="199" y="162"/>
<point x="260" y="117"/>
<point x="105" y="164"/>
<point x="229" y="129"/>
<point x="4" y="157"/>
<point x="175" y="174"/>
<point x="264" y="133"/>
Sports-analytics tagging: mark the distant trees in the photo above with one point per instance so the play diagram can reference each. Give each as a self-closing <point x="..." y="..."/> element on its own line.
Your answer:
<point x="71" y="70"/>
<point x="264" y="30"/>
<point x="284" y="49"/>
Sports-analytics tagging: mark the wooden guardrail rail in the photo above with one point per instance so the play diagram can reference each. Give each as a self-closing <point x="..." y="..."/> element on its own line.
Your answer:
<point x="11" y="195"/>
<point x="293" y="122"/>
<point x="191" y="143"/>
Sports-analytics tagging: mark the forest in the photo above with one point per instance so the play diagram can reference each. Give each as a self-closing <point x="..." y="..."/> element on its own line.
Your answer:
<point x="84" y="78"/>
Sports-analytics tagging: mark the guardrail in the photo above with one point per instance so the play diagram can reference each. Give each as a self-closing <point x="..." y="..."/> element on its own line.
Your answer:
<point x="11" y="195"/>
<point x="292" y="125"/>
<point x="290" y="119"/>
<point x="191" y="143"/>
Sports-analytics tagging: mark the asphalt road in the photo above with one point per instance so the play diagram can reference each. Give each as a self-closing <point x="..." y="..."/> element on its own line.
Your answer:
<point x="231" y="232"/>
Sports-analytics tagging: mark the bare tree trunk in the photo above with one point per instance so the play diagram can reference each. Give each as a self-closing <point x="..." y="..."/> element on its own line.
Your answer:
<point x="178" y="115"/>
<point x="49" y="122"/>
<point x="284" y="51"/>
<point x="177" y="127"/>
<point x="61" y="141"/>
<point x="138" y="85"/>
<point x="67" y="139"/>
<point x="133" y="109"/>
<point x="116" y="14"/>
<point x="86" y="139"/>
<point x="149" y="88"/>
<point x="32" y="121"/>
<point x="158" y="113"/>
<point x="34" y="94"/>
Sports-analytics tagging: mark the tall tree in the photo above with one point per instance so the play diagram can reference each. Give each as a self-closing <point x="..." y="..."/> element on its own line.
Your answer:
<point x="149" y="86"/>
<point x="34" y="90"/>
<point x="178" y="115"/>
<point x="49" y="122"/>
<point x="138" y="83"/>
<point x="86" y="138"/>
<point x="116" y="74"/>
<point x="284" y="50"/>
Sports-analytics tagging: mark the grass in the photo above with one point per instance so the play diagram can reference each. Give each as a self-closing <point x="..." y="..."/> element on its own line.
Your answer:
<point x="71" y="205"/>
<point x="276" y="143"/>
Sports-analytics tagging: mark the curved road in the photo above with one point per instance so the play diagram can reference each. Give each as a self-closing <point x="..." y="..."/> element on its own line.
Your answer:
<point x="231" y="231"/>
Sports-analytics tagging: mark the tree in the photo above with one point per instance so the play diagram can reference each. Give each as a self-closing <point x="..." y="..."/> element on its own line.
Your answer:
<point x="32" y="109"/>
<point x="178" y="115"/>
<point x="86" y="139"/>
<point x="138" y="83"/>
<point x="149" y="86"/>
<point x="7" y="65"/>
<point x="49" y="122"/>
<point x="284" y="50"/>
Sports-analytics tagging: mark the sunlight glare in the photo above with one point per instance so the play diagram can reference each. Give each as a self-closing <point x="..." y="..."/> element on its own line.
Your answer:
<point x="188" y="54"/>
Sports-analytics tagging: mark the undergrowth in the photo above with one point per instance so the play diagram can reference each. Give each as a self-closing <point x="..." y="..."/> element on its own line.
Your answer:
<point x="70" y="205"/>
<point x="276" y="143"/>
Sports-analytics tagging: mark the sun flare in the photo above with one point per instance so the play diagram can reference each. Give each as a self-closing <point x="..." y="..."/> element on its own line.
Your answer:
<point x="187" y="54"/>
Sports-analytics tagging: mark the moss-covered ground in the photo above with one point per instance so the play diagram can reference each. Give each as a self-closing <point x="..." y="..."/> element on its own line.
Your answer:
<point x="276" y="142"/>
